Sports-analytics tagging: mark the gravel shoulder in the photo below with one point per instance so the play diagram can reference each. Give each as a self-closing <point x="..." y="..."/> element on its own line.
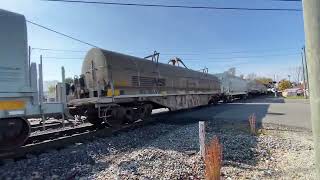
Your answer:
<point x="169" y="150"/>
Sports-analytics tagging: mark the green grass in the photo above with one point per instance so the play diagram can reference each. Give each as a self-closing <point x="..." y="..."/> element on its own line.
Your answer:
<point x="294" y="97"/>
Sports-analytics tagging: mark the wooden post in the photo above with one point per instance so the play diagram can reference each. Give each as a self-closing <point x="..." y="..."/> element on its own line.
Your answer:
<point x="202" y="137"/>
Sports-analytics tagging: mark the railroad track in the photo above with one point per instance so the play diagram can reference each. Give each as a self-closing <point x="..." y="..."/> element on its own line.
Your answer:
<point x="39" y="127"/>
<point x="61" y="132"/>
<point x="60" y="139"/>
<point x="53" y="125"/>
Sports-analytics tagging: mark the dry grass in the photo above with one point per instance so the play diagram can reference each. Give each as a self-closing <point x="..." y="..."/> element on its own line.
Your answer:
<point x="213" y="159"/>
<point x="252" y="124"/>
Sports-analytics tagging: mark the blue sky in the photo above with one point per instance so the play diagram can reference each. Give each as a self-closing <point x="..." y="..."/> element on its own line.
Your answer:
<point x="265" y="43"/>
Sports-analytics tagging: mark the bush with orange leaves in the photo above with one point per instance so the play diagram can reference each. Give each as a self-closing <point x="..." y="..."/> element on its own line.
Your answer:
<point x="213" y="160"/>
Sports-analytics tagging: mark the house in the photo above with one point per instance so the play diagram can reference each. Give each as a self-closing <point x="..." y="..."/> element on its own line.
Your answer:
<point x="292" y="92"/>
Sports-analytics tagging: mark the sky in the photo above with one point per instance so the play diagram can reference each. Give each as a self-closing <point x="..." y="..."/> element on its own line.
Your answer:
<point x="260" y="42"/>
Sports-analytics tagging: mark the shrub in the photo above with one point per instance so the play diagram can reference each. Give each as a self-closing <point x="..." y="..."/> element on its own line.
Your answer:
<point x="213" y="159"/>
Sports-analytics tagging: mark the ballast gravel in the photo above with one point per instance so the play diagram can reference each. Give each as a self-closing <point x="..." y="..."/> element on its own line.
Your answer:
<point x="169" y="150"/>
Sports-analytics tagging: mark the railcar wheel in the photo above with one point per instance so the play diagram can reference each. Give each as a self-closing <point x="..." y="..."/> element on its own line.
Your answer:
<point x="93" y="116"/>
<point x="74" y="111"/>
<point x="13" y="132"/>
<point x="117" y="117"/>
<point x="228" y="99"/>
<point x="243" y="97"/>
<point x="214" y="101"/>
<point x="147" y="110"/>
<point x="129" y="115"/>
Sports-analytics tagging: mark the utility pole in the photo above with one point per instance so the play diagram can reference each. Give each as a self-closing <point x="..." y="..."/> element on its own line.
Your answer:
<point x="274" y="86"/>
<point x="304" y="77"/>
<point x="306" y="66"/>
<point x="311" y="14"/>
<point x="28" y="66"/>
<point x="63" y="95"/>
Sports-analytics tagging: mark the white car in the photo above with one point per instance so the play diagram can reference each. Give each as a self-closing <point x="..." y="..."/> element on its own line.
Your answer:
<point x="273" y="90"/>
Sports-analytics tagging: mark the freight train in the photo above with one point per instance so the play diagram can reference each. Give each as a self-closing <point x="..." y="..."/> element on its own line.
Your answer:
<point x="112" y="89"/>
<point x="116" y="88"/>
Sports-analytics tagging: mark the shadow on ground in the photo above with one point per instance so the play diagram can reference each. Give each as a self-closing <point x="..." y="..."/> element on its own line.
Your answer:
<point x="266" y="99"/>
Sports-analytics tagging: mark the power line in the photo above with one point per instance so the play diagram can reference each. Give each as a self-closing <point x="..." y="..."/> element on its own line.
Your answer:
<point x="62" y="58"/>
<point x="176" y="6"/>
<point x="61" y="50"/>
<point x="62" y="34"/>
<point x="288" y="0"/>
<point x="205" y="59"/>
<point x="187" y="53"/>
<point x="241" y="58"/>
<point x="233" y="52"/>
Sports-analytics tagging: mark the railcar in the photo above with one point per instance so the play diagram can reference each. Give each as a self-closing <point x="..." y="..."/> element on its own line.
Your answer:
<point x="232" y="87"/>
<point x="117" y="88"/>
<point x="20" y="95"/>
<point x="256" y="88"/>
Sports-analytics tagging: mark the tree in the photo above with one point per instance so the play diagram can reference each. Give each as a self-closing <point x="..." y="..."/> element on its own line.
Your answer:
<point x="264" y="80"/>
<point x="296" y="73"/>
<point x="232" y="71"/>
<point x="284" y="84"/>
<point x="251" y="76"/>
<point x="69" y="80"/>
<point x="51" y="89"/>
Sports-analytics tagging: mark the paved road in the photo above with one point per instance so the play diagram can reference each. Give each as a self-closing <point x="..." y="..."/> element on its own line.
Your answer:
<point x="294" y="113"/>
